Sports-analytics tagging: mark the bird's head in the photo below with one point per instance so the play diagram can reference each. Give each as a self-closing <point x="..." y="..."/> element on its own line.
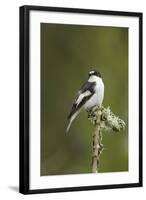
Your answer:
<point x="94" y="73"/>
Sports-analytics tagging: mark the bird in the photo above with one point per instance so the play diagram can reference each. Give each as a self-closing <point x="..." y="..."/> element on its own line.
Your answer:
<point x="90" y="94"/>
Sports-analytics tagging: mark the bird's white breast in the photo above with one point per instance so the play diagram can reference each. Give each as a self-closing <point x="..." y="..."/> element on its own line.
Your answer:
<point x="97" y="98"/>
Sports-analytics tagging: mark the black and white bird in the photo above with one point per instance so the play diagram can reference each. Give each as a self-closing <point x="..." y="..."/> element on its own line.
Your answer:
<point x="91" y="94"/>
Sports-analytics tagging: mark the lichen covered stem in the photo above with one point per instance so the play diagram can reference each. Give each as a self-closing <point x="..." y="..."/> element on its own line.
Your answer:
<point x="103" y="119"/>
<point x="97" y="145"/>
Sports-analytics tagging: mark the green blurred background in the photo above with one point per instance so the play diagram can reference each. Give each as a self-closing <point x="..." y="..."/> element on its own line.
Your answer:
<point x="68" y="53"/>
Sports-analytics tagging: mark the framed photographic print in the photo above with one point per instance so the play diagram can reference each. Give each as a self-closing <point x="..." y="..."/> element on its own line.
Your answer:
<point x="80" y="99"/>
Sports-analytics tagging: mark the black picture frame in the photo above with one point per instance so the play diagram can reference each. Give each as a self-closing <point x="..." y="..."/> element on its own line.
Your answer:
<point x="25" y="106"/>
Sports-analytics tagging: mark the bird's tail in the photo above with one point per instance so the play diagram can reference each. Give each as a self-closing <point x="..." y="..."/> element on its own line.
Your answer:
<point x="68" y="126"/>
<point x="71" y="120"/>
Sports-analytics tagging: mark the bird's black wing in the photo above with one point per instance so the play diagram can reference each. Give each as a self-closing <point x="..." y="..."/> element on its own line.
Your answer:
<point x="84" y="94"/>
<point x="87" y="86"/>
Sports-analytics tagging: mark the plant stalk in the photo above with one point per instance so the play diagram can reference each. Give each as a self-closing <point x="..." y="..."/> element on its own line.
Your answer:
<point x="97" y="145"/>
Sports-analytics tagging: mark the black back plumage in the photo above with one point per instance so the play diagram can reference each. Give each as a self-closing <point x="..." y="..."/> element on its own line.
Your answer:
<point x="88" y="86"/>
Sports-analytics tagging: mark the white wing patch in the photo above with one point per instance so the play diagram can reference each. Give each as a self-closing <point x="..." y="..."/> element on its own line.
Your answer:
<point x="82" y="95"/>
